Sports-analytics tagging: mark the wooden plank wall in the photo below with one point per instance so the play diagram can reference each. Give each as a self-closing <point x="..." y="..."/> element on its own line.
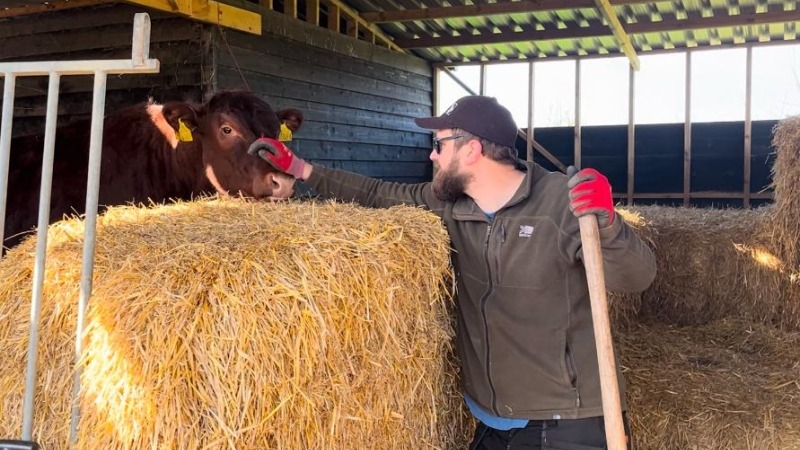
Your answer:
<point x="100" y="32"/>
<point x="359" y="99"/>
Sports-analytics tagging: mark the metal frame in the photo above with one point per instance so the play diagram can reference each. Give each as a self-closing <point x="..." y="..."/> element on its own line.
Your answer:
<point x="140" y="62"/>
<point x="630" y="195"/>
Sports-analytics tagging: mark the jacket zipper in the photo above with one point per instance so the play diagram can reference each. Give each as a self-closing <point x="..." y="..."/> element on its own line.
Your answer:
<point x="485" y="323"/>
<point x="573" y="376"/>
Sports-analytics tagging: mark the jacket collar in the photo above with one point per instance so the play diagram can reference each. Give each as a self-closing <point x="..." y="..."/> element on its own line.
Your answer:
<point x="465" y="207"/>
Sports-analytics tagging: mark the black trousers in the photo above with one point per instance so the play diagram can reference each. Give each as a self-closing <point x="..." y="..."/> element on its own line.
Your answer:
<point x="567" y="434"/>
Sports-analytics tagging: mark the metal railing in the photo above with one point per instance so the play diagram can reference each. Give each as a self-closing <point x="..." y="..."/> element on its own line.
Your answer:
<point x="140" y="62"/>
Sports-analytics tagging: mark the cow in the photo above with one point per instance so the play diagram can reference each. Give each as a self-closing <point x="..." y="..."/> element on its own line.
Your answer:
<point x="151" y="152"/>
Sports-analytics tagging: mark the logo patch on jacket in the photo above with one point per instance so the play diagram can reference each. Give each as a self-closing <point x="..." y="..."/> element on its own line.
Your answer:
<point x="525" y="231"/>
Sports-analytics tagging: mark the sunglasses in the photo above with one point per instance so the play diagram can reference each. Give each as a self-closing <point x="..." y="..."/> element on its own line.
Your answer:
<point x="437" y="142"/>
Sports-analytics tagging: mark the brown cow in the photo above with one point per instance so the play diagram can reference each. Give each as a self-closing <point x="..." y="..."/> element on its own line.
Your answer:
<point x="144" y="159"/>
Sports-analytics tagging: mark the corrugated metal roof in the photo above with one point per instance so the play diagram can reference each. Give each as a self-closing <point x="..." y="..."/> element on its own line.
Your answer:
<point x="450" y="31"/>
<point x="468" y="31"/>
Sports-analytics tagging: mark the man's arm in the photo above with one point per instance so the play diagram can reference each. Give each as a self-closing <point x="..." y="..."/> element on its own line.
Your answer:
<point x="344" y="185"/>
<point x="369" y="191"/>
<point x="629" y="264"/>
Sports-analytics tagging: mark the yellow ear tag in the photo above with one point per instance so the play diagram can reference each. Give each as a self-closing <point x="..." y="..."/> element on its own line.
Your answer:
<point x="184" y="133"/>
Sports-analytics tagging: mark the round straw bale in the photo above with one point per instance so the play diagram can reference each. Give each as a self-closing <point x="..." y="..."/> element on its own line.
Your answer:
<point x="223" y="323"/>
<point x="727" y="385"/>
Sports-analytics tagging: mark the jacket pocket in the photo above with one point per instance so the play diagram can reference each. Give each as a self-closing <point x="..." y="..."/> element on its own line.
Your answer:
<point x="571" y="373"/>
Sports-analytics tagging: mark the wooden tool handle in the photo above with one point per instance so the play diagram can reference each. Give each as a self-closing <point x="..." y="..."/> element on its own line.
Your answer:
<point x="609" y="388"/>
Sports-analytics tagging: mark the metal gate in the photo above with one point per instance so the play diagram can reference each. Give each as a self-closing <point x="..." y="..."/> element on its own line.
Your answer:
<point x="140" y="62"/>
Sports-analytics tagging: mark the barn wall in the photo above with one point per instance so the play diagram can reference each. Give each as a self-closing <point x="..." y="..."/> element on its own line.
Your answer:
<point x="100" y="32"/>
<point x="358" y="99"/>
<point x="717" y="162"/>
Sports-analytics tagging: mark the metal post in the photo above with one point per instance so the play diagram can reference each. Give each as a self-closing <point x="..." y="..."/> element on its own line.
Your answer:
<point x="687" y="133"/>
<point x="140" y="47"/>
<point x="51" y="121"/>
<point x="5" y="146"/>
<point x="631" y="132"/>
<point x="531" y="84"/>
<point x="87" y="270"/>
<point x="577" y="142"/>
<point x="748" y="128"/>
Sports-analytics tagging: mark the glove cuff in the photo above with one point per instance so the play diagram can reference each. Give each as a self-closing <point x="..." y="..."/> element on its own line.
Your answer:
<point x="296" y="167"/>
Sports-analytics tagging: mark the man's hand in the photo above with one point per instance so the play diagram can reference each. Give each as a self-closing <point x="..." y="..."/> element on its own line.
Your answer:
<point x="278" y="156"/>
<point x="590" y="193"/>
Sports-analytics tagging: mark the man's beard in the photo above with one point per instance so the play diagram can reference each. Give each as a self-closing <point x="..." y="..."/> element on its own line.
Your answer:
<point x="449" y="185"/>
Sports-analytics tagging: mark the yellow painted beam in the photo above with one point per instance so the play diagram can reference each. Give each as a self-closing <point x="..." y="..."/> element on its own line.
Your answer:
<point x="619" y="33"/>
<point x="209" y="11"/>
<point x="355" y="17"/>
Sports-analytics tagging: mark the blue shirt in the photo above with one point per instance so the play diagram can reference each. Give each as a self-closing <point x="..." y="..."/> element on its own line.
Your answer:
<point x="490" y="420"/>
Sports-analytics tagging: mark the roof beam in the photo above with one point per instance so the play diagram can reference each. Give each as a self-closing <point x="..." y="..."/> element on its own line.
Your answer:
<point x="673" y="24"/>
<point x="58" y="5"/>
<point x="488" y="9"/>
<point x="501" y="38"/>
<point x="209" y="11"/>
<point x="372" y="28"/>
<point x="619" y="33"/>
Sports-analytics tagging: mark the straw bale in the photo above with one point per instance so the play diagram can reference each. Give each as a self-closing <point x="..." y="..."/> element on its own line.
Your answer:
<point x="712" y="264"/>
<point x="785" y="218"/>
<point x="624" y="309"/>
<point x="727" y="385"/>
<point x="223" y="323"/>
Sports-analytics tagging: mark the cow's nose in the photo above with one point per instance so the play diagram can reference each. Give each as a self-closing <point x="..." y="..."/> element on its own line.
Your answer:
<point x="282" y="185"/>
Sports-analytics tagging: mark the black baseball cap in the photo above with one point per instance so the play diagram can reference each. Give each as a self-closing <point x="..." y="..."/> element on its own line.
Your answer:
<point x="479" y="115"/>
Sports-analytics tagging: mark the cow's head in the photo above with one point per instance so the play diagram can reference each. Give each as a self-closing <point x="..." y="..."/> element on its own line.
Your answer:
<point x="225" y="126"/>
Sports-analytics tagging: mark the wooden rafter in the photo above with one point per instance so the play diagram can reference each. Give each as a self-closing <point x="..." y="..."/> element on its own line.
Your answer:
<point x="377" y="32"/>
<point x="692" y="22"/>
<point x="56" y="5"/>
<point x="209" y="11"/>
<point x="487" y="9"/>
<point x="619" y="32"/>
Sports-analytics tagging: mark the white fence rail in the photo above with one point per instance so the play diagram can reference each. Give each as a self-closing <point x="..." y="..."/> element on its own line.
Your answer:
<point x="140" y="62"/>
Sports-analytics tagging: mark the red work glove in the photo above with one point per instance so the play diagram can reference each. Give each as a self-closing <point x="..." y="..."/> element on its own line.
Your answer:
<point x="590" y="193"/>
<point x="278" y="156"/>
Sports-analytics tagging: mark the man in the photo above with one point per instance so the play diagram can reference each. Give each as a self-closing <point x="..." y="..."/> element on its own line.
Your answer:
<point x="524" y="328"/>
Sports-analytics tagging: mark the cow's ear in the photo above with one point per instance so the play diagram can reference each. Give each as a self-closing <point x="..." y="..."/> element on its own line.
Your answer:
<point x="182" y="117"/>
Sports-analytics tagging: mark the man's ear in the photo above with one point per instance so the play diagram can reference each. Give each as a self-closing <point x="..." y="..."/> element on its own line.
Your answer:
<point x="474" y="151"/>
<point x="182" y="117"/>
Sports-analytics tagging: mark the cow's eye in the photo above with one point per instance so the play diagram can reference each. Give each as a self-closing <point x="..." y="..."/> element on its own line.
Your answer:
<point x="227" y="130"/>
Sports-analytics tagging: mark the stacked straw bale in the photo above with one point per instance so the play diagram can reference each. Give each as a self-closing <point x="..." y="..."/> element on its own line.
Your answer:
<point x="251" y="326"/>
<point x="785" y="217"/>
<point x="712" y="264"/>
<point x="728" y="385"/>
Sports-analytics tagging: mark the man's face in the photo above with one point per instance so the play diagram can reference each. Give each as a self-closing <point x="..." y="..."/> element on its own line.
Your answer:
<point x="449" y="183"/>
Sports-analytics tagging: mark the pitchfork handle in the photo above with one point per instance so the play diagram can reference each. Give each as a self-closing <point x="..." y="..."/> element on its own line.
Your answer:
<point x="609" y="388"/>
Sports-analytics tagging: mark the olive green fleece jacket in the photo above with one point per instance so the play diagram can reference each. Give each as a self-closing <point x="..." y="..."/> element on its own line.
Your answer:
<point x="524" y="324"/>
